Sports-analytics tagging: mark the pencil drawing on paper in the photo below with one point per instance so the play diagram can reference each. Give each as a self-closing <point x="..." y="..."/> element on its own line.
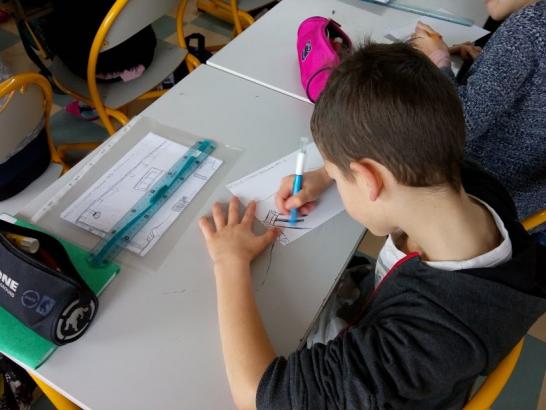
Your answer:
<point x="274" y="218"/>
<point x="261" y="186"/>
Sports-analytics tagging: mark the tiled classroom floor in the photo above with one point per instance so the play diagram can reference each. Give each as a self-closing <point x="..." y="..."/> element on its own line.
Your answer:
<point x="526" y="389"/>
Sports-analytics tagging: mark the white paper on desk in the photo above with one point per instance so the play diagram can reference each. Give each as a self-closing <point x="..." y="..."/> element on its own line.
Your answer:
<point x="451" y="32"/>
<point x="99" y="208"/>
<point x="262" y="185"/>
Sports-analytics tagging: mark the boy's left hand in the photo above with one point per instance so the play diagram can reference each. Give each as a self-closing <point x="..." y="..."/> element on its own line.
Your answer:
<point x="429" y="42"/>
<point x="233" y="242"/>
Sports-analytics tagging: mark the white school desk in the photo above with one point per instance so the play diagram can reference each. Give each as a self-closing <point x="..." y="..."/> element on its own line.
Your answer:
<point x="155" y="343"/>
<point x="265" y="53"/>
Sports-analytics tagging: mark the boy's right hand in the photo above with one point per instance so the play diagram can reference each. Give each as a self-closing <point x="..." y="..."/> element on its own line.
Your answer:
<point x="314" y="183"/>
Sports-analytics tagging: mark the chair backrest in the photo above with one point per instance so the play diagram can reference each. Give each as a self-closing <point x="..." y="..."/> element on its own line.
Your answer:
<point x="21" y="110"/>
<point x="535" y="220"/>
<point x="25" y="99"/>
<point x="133" y="16"/>
<point x="497" y="379"/>
<point x="124" y="19"/>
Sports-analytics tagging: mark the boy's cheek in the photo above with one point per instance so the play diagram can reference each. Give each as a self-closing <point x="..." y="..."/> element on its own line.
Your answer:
<point x="501" y="9"/>
<point x="354" y="208"/>
<point x="374" y="220"/>
<point x="364" y="217"/>
<point x="374" y="225"/>
<point x="355" y="204"/>
<point x="365" y="212"/>
<point x="381" y="230"/>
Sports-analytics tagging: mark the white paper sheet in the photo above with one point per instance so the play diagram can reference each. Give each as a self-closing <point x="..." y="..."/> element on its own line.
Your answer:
<point x="262" y="185"/>
<point x="451" y="32"/>
<point x="99" y="208"/>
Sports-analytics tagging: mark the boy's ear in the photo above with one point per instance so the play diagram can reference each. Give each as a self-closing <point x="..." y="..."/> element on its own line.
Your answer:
<point x="367" y="173"/>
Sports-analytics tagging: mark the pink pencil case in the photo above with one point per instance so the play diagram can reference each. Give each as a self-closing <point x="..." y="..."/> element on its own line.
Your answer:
<point x="320" y="44"/>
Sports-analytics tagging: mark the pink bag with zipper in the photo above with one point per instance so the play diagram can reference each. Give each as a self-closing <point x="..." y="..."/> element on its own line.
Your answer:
<point x="321" y="42"/>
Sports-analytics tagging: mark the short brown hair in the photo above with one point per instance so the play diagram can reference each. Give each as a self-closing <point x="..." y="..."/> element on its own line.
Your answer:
<point x="389" y="103"/>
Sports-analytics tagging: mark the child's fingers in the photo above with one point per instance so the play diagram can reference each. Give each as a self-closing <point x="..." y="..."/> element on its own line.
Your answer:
<point x="284" y="192"/>
<point x="299" y="200"/>
<point x="475" y="51"/>
<point x="294" y="201"/>
<point x="307" y="208"/>
<point x="218" y="216"/>
<point x="304" y="210"/>
<point x="280" y="202"/>
<point x="268" y="237"/>
<point x="459" y="45"/>
<point x="233" y="211"/>
<point x="426" y="28"/>
<point x="419" y="31"/>
<point x="206" y="229"/>
<point x="469" y="51"/>
<point x="414" y="39"/>
<point x="249" y="214"/>
<point x="430" y="32"/>
<point x="456" y="49"/>
<point x="419" y="36"/>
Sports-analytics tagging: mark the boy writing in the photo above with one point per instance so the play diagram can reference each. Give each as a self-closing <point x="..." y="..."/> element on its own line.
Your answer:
<point x="455" y="286"/>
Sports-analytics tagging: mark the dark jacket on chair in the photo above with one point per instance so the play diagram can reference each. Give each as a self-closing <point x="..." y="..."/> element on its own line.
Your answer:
<point x="424" y="334"/>
<point x="74" y="26"/>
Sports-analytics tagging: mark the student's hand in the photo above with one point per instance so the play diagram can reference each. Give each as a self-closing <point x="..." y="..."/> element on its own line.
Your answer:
<point x="467" y="51"/>
<point x="314" y="183"/>
<point x="233" y="242"/>
<point x="430" y="43"/>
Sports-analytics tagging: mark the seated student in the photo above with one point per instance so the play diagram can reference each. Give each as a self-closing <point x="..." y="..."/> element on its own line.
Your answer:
<point x="504" y="99"/>
<point x="455" y="288"/>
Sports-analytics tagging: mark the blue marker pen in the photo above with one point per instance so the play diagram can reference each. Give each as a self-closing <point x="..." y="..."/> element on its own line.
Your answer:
<point x="298" y="178"/>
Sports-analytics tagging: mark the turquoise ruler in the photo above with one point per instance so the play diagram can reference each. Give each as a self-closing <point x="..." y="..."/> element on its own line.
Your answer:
<point x="423" y="11"/>
<point x="140" y="213"/>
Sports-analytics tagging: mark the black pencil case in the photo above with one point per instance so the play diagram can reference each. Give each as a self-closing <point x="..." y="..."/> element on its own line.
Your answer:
<point x="44" y="290"/>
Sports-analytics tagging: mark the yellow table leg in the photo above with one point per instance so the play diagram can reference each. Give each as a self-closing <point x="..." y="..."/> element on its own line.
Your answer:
<point x="58" y="400"/>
